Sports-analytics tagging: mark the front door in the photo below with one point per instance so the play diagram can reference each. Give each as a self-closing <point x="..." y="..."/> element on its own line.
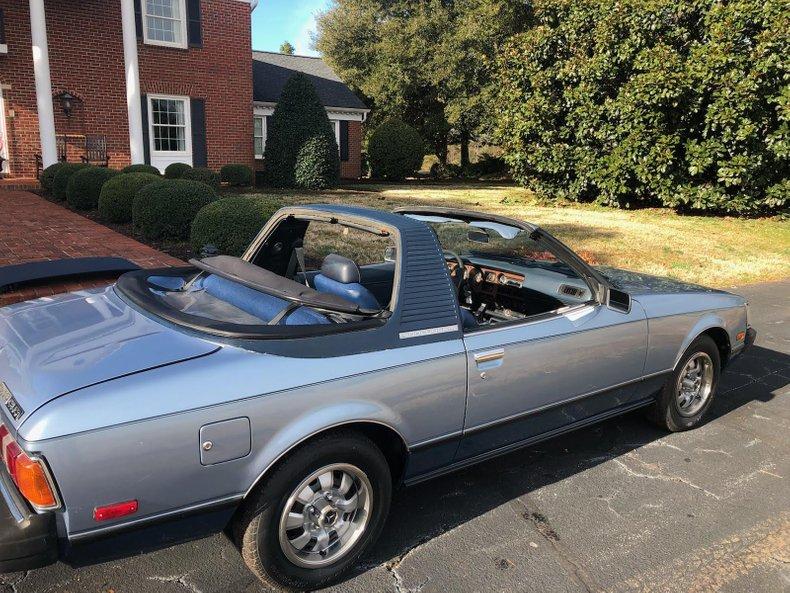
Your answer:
<point x="539" y="376"/>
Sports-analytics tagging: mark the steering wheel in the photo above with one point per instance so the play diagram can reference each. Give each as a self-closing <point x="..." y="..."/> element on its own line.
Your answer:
<point x="458" y="278"/>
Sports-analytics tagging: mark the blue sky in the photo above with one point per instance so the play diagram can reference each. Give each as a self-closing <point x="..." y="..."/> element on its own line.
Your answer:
<point x="275" y="21"/>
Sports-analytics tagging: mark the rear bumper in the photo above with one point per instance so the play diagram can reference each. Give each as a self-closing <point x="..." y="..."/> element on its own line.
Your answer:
<point x="28" y="540"/>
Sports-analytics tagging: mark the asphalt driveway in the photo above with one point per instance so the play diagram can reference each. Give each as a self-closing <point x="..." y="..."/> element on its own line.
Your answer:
<point x="616" y="507"/>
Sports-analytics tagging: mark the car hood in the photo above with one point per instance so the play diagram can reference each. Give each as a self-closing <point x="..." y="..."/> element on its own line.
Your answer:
<point x="636" y="283"/>
<point x="54" y="346"/>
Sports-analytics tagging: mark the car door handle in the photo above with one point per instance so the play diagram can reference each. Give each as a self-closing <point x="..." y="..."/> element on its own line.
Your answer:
<point x="489" y="356"/>
<point x="489" y="359"/>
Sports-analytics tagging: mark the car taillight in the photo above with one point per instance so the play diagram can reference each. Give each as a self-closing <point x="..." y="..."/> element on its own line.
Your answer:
<point x="28" y="474"/>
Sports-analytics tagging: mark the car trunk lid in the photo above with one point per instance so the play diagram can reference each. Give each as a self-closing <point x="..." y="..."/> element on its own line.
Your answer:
<point x="56" y="345"/>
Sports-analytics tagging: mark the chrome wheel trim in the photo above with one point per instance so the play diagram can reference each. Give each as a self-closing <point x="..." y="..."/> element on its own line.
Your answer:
<point x="325" y="515"/>
<point x="694" y="385"/>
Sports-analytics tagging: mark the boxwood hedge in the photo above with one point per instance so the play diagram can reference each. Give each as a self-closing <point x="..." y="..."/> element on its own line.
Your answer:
<point x="60" y="181"/>
<point x="47" y="178"/>
<point x="230" y="224"/>
<point x="395" y="150"/>
<point x="166" y="209"/>
<point x="117" y="195"/>
<point x="236" y="175"/>
<point x="176" y="170"/>
<point x="203" y="174"/>
<point x="140" y="168"/>
<point x="84" y="187"/>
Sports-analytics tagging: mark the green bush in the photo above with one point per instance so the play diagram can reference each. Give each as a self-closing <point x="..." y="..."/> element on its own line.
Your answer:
<point x="641" y="102"/>
<point x="317" y="164"/>
<point x="167" y="208"/>
<point x="47" y="178"/>
<point x="141" y="169"/>
<point x="176" y="170"/>
<point x="117" y="195"/>
<point x="230" y="224"/>
<point x="82" y="192"/>
<point x="236" y="175"/>
<point x="204" y="175"/>
<point x="395" y="150"/>
<point x="299" y="116"/>
<point x="60" y="181"/>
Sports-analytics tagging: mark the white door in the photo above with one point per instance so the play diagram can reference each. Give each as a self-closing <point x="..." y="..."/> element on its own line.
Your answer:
<point x="3" y="136"/>
<point x="169" y="130"/>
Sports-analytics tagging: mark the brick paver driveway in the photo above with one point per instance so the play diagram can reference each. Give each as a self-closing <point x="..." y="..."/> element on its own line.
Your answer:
<point x="32" y="228"/>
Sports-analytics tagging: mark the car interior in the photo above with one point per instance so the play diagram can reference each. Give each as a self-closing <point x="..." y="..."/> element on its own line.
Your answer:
<point x="341" y="274"/>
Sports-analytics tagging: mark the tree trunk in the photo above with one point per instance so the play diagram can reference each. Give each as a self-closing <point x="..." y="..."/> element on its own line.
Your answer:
<point x="441" y="151"/>
<point x="464" y="150"/>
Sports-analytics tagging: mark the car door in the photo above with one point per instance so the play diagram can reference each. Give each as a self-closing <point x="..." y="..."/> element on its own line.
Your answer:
<point x="542" y="375"/>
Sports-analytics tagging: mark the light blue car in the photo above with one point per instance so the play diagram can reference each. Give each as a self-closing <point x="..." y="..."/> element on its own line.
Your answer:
<point x="284" y="394"/>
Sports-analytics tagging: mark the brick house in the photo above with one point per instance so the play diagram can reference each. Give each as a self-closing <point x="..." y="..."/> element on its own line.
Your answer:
<point x="346" y="112"/>
<point x="144" y="81"/>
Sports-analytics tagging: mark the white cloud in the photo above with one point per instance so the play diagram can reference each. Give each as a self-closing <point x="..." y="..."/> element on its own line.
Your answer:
<point x="303" y="42"/>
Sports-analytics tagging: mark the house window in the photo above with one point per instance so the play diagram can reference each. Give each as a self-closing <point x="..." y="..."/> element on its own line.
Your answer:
<point x="169" y="124"/>
<point x="259" y="136"/>
<point x="165" y="22"/>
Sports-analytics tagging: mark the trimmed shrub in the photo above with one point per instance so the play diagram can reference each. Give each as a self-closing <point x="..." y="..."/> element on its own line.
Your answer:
<point x="395" y="150"/>
<point x="176" y="170"/>
<point x="650" y="102"/>
<point x="299" y="116"/>
<point x="166" y="209"/>
<point x="317" y="164"/>
<point x="230" y="224"/>
<point x="48" y="176"/>
<point x="117" y="195"/>
<point x="204" y="175"/>
<point x="84" y="187"/>
<point x="60" y="182"/>
<point x="140" y="168"/>
<point x="236" y="175"/>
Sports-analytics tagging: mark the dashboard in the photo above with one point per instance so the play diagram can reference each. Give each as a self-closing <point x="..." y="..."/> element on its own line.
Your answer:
<point x="500" y="291"/>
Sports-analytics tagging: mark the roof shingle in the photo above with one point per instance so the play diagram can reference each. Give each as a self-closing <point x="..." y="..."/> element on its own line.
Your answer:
<point x="270" y="72"/>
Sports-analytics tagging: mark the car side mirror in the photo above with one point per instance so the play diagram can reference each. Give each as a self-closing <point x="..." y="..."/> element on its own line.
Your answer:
<point x="478" y="237"/>
<point x="618" y="300"/>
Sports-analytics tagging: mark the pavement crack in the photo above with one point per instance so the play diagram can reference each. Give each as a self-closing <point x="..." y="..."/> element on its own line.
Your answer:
<point x="180" y="579"/>
<point x="541" y="523"/>
<point x="663" y="477"/>
<point x="393" y="565"/>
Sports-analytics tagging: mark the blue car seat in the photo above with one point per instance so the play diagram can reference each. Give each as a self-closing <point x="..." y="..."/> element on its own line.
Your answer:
<point x="340" y="276"/>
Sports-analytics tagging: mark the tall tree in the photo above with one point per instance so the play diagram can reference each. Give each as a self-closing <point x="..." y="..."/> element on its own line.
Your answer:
<point x="286" y="48"/>
<point x="424" y="61"/>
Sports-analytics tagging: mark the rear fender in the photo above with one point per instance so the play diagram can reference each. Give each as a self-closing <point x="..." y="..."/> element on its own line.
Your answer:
<point x="315" y="422"/>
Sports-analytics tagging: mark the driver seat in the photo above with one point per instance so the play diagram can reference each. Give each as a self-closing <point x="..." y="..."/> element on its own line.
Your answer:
<point x="340" y="276"/>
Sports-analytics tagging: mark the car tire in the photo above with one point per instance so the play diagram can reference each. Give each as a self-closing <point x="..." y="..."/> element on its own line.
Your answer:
<point x="272" y="550"/>
<point x="683" y="401"/>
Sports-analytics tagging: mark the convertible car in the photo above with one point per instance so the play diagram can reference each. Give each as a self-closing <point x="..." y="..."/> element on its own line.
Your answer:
<point x="282" y="396"/>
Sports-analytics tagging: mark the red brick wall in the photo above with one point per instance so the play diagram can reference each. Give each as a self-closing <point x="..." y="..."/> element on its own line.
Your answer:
<point x="352" y="168"/>
<point x="86" y="58"/>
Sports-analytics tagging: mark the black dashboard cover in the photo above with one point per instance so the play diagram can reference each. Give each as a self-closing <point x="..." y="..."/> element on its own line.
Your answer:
<point x="257" y="278"/>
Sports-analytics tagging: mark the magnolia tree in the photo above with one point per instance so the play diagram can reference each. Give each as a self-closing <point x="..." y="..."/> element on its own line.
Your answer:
<point x="628" y="102"/>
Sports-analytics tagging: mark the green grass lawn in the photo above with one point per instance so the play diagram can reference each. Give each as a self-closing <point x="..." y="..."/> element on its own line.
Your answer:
<point x="715" y="251"/>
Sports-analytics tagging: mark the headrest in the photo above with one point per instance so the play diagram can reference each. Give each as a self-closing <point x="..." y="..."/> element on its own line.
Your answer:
<point x="341" y="269"/>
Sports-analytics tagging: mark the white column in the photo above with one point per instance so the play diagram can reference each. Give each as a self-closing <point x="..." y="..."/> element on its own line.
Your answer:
<point x="46" y="115"/>
<point x="133" y="101"/>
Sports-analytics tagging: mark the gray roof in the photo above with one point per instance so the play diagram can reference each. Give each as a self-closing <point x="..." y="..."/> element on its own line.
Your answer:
<point x="270" y="72"/>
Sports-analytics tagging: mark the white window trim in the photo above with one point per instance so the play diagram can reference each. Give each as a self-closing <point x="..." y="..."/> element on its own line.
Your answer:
<point x="336" y="127"/>
<point x="263" y="130"/>
<point x="187" y="127"/>
<point x="184" y="41"/>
